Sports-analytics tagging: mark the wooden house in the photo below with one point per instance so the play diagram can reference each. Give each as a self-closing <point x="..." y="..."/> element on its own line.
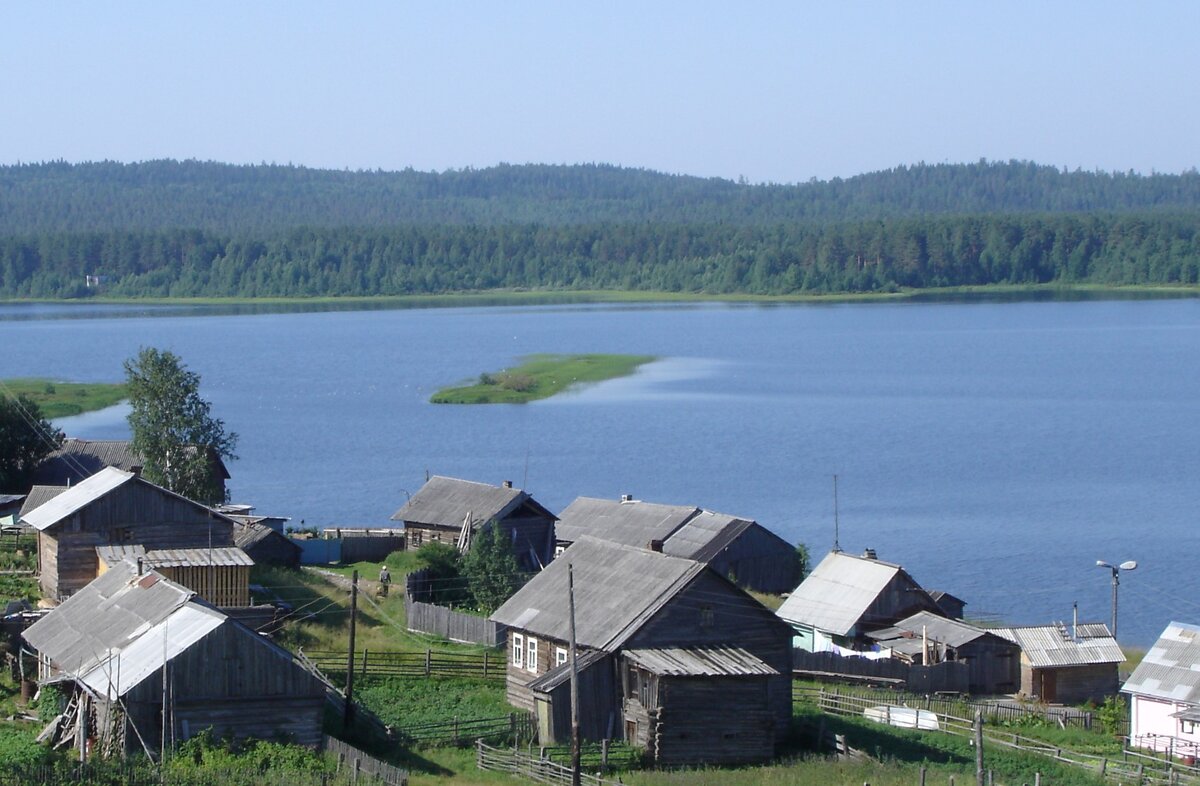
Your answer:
<point x="846" y="597"/>
<point x="1061" y="665"/>
<point x="674" y="657"/>
<point x="220" y="576"/>
<point x="1164" y="694"/>
<point x="737" y="548"/>
<point x="116" y="641"/>
<point x="78" y="459"/>
<point x="265" y="544"/>
<point x="994" y="662"/>
<point x="438" y="512"/>
<point x="115" y="508"/>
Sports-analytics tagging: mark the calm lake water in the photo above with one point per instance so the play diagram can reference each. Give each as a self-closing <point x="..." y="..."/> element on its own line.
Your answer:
<point x="996" y="450"/>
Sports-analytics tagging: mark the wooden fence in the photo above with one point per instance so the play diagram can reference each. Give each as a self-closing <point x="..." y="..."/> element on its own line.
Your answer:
<point x="454" y="625"/>
<point x="483" y="665"/>
<point x="356" y="763"/>
<point x="1129" y="767"/>
<point x="514" y="727"/>
<point x="994" y="710"/>
<point x="528" y="765"/>
<point x="951" y="676"/>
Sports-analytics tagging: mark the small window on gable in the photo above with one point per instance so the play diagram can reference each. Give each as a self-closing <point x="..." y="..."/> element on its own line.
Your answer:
<point x="706" y="616"/>
<point x="560" y="656"/>
<point x="531" y="653"/>
<point x="518" y="651"/>
<point x="1187" y="726"/>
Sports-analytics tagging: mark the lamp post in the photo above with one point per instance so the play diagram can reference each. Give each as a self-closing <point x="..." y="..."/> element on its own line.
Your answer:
<point x="1116" y="582"/>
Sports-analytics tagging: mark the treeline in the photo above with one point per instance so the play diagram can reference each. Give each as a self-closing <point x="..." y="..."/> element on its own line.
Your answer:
<point x="56" y="197"/>
<point x="867" y="256"/>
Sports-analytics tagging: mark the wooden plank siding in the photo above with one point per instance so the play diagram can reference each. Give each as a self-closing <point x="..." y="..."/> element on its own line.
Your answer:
<point x="132" y="513"/>
<point x="712" y="720"/>
<point x="519" y="676"/>
<point x="1070" y="685"/>
<point x="238" y="685"/>
<point x="220" y="585"/>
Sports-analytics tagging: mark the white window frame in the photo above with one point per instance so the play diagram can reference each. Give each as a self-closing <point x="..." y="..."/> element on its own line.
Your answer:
<point x="518" y="650"/>
<point x="560" y="656"/>
<point x="531" y="653"/>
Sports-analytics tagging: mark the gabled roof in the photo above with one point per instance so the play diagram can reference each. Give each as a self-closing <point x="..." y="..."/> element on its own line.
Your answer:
<point x="78" y="459"/>
<point x="617" y="590"/>
<point x="706" y="535"/>
<point x="107" y="614"/>
<point x="448" y="501"/>
<point x="38" y="496"/>
<point x="631" y="522"/>
<point x="88" y="491"/>
<point x="939" y="629"/>
<point x="1171" y="669"/>
<point x="1049" y="646"/>
<point x="836" y="595"/>
<point x="247" y="534"/>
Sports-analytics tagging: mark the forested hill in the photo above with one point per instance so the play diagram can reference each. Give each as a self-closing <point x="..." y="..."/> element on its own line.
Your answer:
<point x="193" y="229"/>
<point x="59" y="197"/>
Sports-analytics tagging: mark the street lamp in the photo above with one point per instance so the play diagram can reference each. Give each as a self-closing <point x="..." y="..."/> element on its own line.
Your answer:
<point x="1116" y="582"/>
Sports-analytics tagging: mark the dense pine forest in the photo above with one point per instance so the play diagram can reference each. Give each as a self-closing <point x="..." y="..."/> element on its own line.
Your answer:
<point x="187" y="229"/>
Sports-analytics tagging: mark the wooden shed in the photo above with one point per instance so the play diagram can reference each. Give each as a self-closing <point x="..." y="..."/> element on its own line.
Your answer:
<point x="994" y="662"/>
<point x="738" y="548"/>
<point x="1061" y="665"/>
<point x="220" y="576"/>
<point x="115" y="642"/>
<point x="702" y="642"/>
<point x="265" y="544"/>
<point x="115" y="508"/>
<point x="437" y="514"/>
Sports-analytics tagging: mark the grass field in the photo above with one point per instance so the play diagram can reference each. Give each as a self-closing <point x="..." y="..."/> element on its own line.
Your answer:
<point x="540" y="376"/>
<point x="63" y="399"/>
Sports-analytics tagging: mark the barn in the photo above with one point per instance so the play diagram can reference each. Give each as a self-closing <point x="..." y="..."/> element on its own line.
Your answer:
<point x="117" y="640"/>
<point x="1061" y="665"/>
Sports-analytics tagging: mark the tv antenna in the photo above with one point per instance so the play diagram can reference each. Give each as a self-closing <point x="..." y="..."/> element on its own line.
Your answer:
<point x="836" y="545"/>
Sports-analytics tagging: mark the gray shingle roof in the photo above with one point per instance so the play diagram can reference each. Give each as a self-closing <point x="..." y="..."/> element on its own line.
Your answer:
<point x="939" y="629"/>
<point x="838" y="592"/>
<point x="705" y="535"/>
<point x="1049" y="646"/>
<point x="106" y="614"/>
<point x="38" y="496"/>
<point x="633" y="522"/>
<point x="448" y="501"/>
<point x="617" y="590"/>
<point x="700" y="662"/>
<point x="78" y="459"/>
<point x="1171" y="669"/>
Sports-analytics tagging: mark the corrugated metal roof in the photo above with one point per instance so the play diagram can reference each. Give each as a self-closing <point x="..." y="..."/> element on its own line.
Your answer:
<point x="38" y="496"/>
<point x="837" y="593"/>
<point x="705" y="535"/>
<point x="76" y="497"/>
<point x="224" y="557"/>
<point x="633" y="522"/>
<point x="1047" y="646"/>
<point x="108" y="613"/>
<point x="700" y="662"/>
<point x="617" y="589"/>
<point x="448" y="501"/>
<point x="128" y="666"/>
<point x="1171" y="669"/>
<point x="939" y="629"/>
<point x="112" y="554"/>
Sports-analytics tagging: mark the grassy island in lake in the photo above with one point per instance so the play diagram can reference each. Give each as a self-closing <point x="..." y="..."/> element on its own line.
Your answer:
<point x="540" y="376"/>
<point x="64" y="399"/>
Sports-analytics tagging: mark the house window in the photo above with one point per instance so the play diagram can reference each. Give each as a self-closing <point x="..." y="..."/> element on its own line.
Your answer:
<point x="706" y="616"/>
<point x="1187" y="726"/>
<point x="560" y="656"/>
<point x="531" y="652"/>
<point x="122" y="534"/>
<point x="518" y="652"/>
<point x="414" y="538"/>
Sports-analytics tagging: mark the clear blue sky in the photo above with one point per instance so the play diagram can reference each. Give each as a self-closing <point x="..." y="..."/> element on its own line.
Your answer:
<point x="774" y="91"/>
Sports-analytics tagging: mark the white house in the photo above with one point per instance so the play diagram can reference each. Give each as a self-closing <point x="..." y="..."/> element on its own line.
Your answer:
<point x="1164" y="694"/>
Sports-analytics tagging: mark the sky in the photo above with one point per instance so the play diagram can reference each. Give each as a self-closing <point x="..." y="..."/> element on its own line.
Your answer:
<point x="771" y="91"/>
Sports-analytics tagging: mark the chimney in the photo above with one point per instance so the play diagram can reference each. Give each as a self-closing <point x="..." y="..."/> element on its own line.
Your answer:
<point x="508" y="484"/>
<point x="136" y="470"/>
<point x="869" y="554"/>
<point x="655" y="545"/>
<point x="627" y="498"/>
<point x="139" y="568"/>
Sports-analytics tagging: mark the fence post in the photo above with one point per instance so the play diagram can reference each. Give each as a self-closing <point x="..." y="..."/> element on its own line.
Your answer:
<point x="604" y="756"/>
<point x="456" y="731"/>
<point x="364" y="663"/>
<point x="1037" y="779"/>
<point x="485" y="664"/>
<point x="428" y="658"/>
<point x="922" y="782"/>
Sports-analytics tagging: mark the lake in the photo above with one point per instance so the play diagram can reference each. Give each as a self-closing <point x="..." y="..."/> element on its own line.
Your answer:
<point x="996" y="450"/>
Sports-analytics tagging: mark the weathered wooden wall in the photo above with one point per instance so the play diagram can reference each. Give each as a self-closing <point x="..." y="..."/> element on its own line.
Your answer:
<point x="598" y="706"/>
<point x="135" y="512"/>
<point x="1070" y="685"/>
<point x="950" y="676"/>
<point x="759" y="560"/>
<point x="995" y="665"/>
<point x="370" y="549"/>
<point x="713" y="720"/>
<point x="453" y="625"/>
<point x="220" y="585"/>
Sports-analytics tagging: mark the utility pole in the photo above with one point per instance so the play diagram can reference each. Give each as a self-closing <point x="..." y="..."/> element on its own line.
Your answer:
<point x="575" y="768"/>
<point x="978" y="747"/>
<point x="348" y="713"/>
